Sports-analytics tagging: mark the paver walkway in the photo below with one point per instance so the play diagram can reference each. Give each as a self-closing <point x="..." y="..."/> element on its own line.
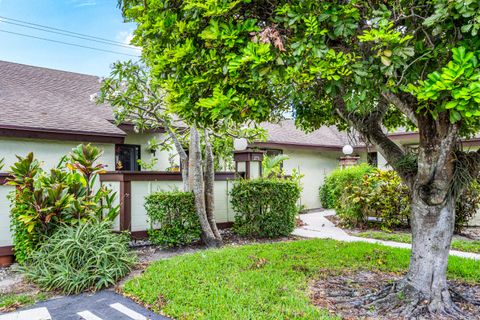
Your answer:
<point x="104" y="305"/>
<point x="317" y="226"/>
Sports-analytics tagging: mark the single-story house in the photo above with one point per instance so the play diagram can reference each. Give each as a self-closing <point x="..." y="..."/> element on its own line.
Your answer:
<point x="48" y="112"/>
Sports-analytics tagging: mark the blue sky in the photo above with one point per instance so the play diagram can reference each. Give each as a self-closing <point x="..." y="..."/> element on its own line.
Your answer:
<point x="100" y="18"/>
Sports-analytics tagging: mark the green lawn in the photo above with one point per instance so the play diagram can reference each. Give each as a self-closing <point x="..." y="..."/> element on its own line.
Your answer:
<point x="461" y="245"/>
<point x="9" y="302"/>
<point x="263" y="281"/>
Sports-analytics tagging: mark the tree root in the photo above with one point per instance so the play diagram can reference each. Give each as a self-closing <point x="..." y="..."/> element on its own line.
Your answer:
<point x="401" y="300"/>
<point x="457" y="297"/>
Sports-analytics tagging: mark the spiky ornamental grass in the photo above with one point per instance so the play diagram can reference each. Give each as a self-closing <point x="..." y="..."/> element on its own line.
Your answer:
<point x="78" y="258"/>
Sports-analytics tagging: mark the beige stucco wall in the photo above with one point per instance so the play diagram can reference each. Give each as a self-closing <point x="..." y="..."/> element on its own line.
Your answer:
<point x="142" y="139"/>
<point x="49" y="152"/>
<point x="141" y="189"/>
<point x="315" y="165"/>
<point x="5" y="235"/>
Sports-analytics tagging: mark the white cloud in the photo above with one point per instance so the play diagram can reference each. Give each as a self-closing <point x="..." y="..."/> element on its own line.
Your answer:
<point x="83" y="3"/>
<point x="125" y="37"/>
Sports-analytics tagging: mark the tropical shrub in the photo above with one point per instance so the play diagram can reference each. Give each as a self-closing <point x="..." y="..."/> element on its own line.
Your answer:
<point x="43" y="200"/>
<point x="381" y="194"/>
<point x="173" y="218"/>
<point x="265" y="208"/>
<point x="272" y="166"/>
<point x="338" y="180"/>
<point x="88" y="256"/>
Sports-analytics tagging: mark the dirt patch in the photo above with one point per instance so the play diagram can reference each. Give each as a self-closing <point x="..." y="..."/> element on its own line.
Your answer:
<point x="333" y="218"/>
<point x="340" y="293"/>
<point x="472" y="233"/>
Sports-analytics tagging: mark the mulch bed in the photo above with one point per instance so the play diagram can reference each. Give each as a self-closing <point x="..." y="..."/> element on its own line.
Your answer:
<point x="339" y="292"/>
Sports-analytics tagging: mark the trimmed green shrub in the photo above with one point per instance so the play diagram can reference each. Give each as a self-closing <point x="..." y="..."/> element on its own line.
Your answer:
<point x="175" y="215"/>
<point x="338" y="180"/>
<point x="265" y="208"/>
<point x="382" y="195"/>
<point x="89" y="256"/>
<point x="467" y="206"/>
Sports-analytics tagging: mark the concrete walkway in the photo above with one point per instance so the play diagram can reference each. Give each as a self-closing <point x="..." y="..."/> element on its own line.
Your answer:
<point x="317" y="226"/>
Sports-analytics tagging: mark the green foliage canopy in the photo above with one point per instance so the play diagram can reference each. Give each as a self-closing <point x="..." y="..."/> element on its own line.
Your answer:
<point x="242" y="59"/>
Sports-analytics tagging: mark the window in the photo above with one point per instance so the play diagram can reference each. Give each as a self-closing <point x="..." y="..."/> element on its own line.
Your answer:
<point x="271" y="153"/>
<point x="372" y="159"/>
<point x="126" y="157"/>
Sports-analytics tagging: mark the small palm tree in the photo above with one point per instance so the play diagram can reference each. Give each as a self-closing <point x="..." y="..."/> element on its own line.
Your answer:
<point x="271" y="165"/>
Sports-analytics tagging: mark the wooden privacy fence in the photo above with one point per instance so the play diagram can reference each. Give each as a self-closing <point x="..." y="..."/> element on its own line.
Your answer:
<point x="131" y="189"/>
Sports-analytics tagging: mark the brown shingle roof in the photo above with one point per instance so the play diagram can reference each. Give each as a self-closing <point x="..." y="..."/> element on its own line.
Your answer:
<point x="52" y="100"/>
<point x="285" y="132"/>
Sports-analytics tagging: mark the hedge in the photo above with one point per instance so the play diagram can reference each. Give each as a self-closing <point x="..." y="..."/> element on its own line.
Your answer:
<point x="265" y="208"/>
<point x="174" y="214"/>
<point x="381" y="194"/>
<point x="338" y="180"/>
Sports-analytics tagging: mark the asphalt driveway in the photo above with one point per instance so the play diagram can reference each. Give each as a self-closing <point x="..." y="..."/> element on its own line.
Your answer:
<point x="103" y="305"/>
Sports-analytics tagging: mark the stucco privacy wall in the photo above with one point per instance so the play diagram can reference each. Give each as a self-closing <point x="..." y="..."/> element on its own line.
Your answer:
<point x="5" y="235"/>
<point x="49" y="152"/>
<point x="115" y="187"/>
<point x="315" y="165"/>
<point x="141" y="189"/>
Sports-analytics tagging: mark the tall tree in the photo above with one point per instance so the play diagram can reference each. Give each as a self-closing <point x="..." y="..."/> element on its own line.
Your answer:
<point x="366" y="64"/>
<point x="137" y="99"/>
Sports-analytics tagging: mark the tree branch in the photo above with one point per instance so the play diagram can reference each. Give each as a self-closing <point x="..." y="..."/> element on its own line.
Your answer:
<point x="405" y="108"/>
<point x="370" y="127"/>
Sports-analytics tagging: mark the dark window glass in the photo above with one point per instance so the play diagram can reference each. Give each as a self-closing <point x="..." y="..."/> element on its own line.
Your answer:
<point x="372" y="158"/>
<point x="126" y="157"/>
<point x="273" y="152"/>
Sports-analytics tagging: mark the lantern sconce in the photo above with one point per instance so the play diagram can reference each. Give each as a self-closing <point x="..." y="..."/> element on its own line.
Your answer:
<point x="348" y="160"/>
<point x="248" y="163"/>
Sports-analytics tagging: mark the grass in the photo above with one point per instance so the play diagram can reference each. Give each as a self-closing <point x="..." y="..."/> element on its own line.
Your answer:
<point x="460" y="245"/>
<point x="9" y="302"/>
<point x="264" y="281"/>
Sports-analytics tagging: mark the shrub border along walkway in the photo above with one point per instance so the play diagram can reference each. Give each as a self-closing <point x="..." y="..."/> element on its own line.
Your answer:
<point x="317" y="226"/>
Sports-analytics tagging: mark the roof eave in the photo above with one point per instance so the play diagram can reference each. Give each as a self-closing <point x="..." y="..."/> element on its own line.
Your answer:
<point x="61" y="135"/>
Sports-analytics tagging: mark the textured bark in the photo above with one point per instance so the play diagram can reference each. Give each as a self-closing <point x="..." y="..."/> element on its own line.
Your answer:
<point x="432" y="230"/>
<point x="209" y="187"/>
<point x="197" y="186"/>
<point x="433" y="220"/>
<point x="183" y="158"/>
<point x="424" y="289"/>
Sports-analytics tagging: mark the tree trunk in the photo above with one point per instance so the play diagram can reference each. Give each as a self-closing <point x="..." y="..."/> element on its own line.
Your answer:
<point x="209" y="187"/>
<point x="184" y="165"/>
<point x="424" y="289"/>
<point x="432" y="230"/>
<point x="197" y="186"/>
<point x="183" y="158"/>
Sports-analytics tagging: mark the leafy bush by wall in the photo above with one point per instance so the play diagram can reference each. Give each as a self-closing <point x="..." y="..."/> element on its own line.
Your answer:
<point x="338" y="180"/>
<point x="381" y="194"/>
<point x="265" y="208"/>
<point x="43" y="200"/>
<point x="76" y="258"/>
<point x="174" y="213"/>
